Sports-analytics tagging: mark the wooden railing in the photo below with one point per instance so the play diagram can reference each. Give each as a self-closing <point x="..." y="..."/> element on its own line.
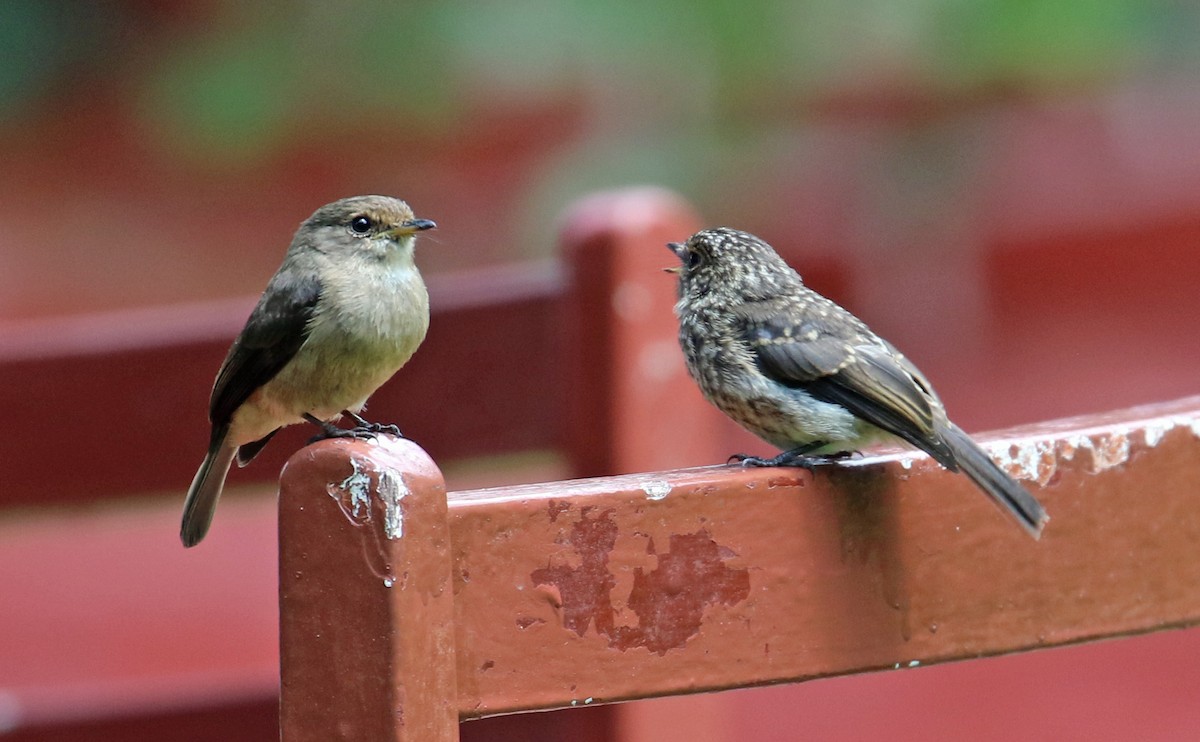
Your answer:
<point x="402" y="615"/>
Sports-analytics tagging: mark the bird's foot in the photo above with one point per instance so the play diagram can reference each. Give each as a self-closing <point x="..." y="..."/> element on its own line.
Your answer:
<point x="361" y="430"/>
<point x="799" y="456"/>
<point x="787" y="458"/>
<point x="369" y="429"/>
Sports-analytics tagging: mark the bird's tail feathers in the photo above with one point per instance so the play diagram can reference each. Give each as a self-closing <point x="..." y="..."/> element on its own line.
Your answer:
<point x="994" y="481"/>
<point x="206" y="488"/>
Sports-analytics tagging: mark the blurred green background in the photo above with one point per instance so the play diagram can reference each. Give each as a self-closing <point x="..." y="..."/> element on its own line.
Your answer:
<point x="163" y="151"/>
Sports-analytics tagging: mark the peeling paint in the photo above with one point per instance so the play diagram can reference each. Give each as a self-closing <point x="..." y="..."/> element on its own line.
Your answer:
<point x="1030" y="460"/>
<point x="1109" y="451"/>
<point x="353" y="496"/>
<point x="392" y="490"/>
<point x="585" y="589"/>
<point x="655" y="489"/>
<point x="1037" y="459"/>
<point x="556" y="508"/>
<point x="1154" y="433"/>
<point x="670" y="601"/>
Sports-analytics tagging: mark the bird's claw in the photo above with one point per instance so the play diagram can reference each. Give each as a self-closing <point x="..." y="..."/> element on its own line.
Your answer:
<point x="798" y="457"/>
<point x="787" y="458"/>
<point x="371" y="430"/>
<point x="361" y="430"/>
<point x="364" y="429"/>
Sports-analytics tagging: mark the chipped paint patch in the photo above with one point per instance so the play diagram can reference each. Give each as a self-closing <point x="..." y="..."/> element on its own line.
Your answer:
<point x="392" y="490"/>
<point x="556" y="508"/>
<point x="353" y="496"/>
<point x="1109" y="451"/>
<point x="585" y="589"/>
<point x="1030" y="460"/>
<point x="1153" y="433"/>
<point x="655" y="489"/>
<point x="670" y="601"/>
<point x="1037" y="460"/>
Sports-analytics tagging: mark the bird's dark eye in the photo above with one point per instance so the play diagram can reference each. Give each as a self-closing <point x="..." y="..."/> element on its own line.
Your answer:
<point x="360" y="225"/>
<point x="694" y="259"/>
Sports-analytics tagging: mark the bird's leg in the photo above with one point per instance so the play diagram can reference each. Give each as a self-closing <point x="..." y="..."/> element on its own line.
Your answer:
<point x="798" y="456"/>
<point x="830" y="458"/>
<point x="363" y="426"/>
<point x="328" y="430"/>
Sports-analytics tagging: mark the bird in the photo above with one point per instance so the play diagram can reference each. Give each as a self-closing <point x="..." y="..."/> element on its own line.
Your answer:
<point x="346" y="309"/>
<point x="807" y="376"/>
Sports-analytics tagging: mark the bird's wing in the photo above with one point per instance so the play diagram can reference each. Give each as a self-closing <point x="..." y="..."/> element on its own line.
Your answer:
<point x="276" y="329"/>
<point x="842" y="362"/>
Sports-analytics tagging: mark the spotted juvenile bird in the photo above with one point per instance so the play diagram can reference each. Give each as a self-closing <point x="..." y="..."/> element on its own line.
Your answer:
<point x="805" y="375"/>
<point x="342" y="314"/>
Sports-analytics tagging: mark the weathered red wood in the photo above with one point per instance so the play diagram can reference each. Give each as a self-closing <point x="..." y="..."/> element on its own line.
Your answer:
<point x="574" y="593"/>
<point x="365" y="595"/>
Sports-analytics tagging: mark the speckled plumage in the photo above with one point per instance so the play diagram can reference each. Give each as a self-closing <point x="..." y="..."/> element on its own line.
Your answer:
<point x="346" y="309"/>
<point x="804" y="374"/>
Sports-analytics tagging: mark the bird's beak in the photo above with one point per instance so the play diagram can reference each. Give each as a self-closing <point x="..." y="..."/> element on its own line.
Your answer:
<point x="411" y="226"/>
<point x="679" y="250"/>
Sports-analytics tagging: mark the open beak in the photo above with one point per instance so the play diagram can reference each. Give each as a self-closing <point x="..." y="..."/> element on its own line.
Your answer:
<point x="680" y="252"/>
<point x="411" y="226"/>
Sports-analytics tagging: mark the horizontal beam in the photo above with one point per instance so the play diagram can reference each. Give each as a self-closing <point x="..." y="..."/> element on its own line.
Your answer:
<point x="131" y="388"/>
<point x="609" y="589"/>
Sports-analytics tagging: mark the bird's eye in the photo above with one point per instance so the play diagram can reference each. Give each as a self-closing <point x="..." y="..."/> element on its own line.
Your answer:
<point x="694" y="259"/>
<point x="360" y="225"/>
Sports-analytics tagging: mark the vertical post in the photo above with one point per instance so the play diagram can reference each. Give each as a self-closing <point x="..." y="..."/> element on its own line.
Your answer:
<point x="365" y="598"/>
<point x="632" y="406"/>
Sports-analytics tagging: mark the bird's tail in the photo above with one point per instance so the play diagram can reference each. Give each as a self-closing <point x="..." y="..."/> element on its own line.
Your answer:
<point x="206" y="488"/>
<point x="994" y="481"/>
